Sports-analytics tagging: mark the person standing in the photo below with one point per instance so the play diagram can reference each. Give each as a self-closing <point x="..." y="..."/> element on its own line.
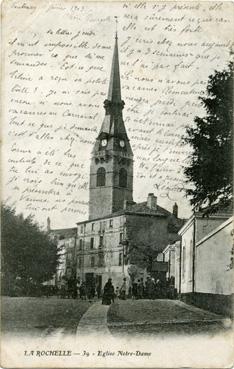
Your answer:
<point x="117" y="292"/>
<point x="150" y="288"/>
<point x="63" y="288"/>
<point x="158" y="289"/>
<point x="78" y="285"/>
<point x="147" y="288"/>
<point x="134" y="290"/>
<point x="74" y="287"/>
<point x="90" y="290"/>
<point x="108" y="293"/>
<point x="83" y="291"/>
<point x="123" y="290"/>
<point x="140" y="292"/>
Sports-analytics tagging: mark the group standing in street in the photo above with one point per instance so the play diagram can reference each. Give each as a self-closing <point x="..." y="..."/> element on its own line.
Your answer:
<point x="138" y="289"/>
<point x="152" y="289"/>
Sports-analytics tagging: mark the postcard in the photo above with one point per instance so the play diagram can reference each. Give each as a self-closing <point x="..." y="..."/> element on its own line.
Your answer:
<point x="117" y="227"/>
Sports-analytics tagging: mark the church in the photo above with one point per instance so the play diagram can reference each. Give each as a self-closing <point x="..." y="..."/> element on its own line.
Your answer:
<point x="121" y="238"/>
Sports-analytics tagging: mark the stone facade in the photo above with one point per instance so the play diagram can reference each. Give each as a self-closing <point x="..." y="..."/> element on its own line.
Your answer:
<point x="107" y="246"/>
<point x="66" y="242"/>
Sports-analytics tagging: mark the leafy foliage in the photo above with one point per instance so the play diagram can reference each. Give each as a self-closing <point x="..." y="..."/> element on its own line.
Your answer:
<point x="211" y="166"/>
<point x="28" y="254"/>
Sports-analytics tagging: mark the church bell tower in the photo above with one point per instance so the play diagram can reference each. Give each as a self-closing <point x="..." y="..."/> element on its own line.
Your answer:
<point x="111" y="169"/>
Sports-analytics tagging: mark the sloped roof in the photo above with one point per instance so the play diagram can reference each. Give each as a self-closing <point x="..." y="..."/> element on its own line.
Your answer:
<point x="66" y="232"/>
<point x="142" y="208"/>
<point x="218" y="209"/>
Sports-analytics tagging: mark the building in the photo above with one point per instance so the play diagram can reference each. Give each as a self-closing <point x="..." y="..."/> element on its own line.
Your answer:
<point x="66" y="243"/>
<point x="119" y="232"/>
<point x="199" y="261"/>
<point x="214" y="288"/>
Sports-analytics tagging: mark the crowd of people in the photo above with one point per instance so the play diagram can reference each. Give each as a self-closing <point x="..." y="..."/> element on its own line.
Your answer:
<point x="73" y="288"/>
<point x="138" y="289"/>
<point x="153" y="289"/>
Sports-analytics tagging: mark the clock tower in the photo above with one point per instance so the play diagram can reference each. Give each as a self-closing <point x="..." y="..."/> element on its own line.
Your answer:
<point x="111" y="169"/>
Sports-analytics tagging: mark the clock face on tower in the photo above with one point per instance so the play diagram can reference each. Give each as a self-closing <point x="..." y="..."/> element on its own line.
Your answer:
<point x="122" y="143"/>
<point x="104" y="142"/>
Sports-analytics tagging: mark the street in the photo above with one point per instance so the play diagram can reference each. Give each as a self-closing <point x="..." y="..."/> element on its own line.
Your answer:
<point x="43" y="316"/>
<point x="162" y="317"/>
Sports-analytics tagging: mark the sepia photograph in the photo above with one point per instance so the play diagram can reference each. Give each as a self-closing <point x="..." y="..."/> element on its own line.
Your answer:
<point x="117" y="180"/>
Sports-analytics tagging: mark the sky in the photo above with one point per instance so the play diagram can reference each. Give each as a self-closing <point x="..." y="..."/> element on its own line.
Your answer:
<point x="56" y="70"/>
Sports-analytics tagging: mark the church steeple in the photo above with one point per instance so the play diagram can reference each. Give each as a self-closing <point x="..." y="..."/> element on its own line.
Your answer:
<point x="113" y="124"/>
<point x="111" y="170"/>
<point x="114" y="92"/>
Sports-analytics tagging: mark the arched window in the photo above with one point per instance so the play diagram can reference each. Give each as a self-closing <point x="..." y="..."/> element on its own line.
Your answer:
<point x="101" y="177"/>
<point x="123" y="178"/>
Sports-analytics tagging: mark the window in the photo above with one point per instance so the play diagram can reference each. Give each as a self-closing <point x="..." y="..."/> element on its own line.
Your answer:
<point x="120" y="258"/>
<point x="123" y="176"/>
<point x="81" y="229"/>
<point x="100" y="259"/>
<point x="120" y="237"/>
<point x="79" y="263"/>
<point x="81" y="244"/>
<point x="101" y="241"/>
<point x="101" y="177"/>
<point x="111" y="223"/>
<point x="92" y="261"/>
<point x="91" y="243"/>
<point x="92" y="226"/>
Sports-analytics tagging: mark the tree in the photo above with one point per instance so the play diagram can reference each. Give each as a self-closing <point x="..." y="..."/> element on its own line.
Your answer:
<point x="28" y="254"/>
<point x="210" y="167"/>
<point x="143" y="254"/>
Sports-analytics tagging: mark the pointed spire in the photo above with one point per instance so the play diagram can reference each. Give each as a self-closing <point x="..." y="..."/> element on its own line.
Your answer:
<point x="113" y="124"/>
<point x="114" y="92"/>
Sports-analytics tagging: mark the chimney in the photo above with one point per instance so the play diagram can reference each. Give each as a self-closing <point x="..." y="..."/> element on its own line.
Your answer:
<point x="128" y="204"/>
<point x="151" y="201"/>
<point x="175" y="210"/>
